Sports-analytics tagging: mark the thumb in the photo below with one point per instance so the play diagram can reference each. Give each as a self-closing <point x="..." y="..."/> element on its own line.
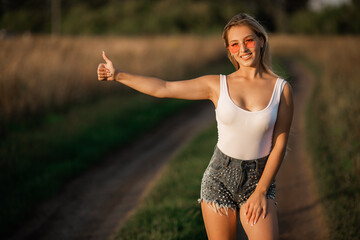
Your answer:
<point x="107" y="60"/>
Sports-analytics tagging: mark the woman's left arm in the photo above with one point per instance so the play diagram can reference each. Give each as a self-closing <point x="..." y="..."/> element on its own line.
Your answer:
<point x="256" y="205"/>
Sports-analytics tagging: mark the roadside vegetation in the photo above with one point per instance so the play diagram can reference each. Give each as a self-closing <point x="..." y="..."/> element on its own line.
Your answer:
<point x="170" y="210"/>
<point x="332" y="124"/>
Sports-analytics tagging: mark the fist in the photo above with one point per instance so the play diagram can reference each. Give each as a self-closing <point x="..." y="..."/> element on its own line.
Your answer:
<point x="106" y="71"/>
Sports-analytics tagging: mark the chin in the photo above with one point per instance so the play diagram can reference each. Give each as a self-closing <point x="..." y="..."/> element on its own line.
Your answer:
<point x="249" y="63"/>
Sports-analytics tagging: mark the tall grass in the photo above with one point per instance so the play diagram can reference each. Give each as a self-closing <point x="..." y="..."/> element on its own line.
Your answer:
<point x="41" y="72"/>
<point x="333" y="118"/>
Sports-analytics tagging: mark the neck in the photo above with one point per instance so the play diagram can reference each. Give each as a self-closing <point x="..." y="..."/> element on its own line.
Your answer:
<point x="251" y="72"/>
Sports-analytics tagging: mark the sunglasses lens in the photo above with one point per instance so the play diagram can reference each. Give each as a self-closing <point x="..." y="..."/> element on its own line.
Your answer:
<point x="234" y="48"/>
<point x="250" y="43"/>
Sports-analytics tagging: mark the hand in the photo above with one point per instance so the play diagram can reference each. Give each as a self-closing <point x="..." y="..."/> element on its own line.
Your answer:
<point x="106" y="71"/>
<point x="255" y="207"/>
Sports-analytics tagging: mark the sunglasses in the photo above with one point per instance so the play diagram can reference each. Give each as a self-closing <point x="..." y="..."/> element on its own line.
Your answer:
<point x="248" y="43"/>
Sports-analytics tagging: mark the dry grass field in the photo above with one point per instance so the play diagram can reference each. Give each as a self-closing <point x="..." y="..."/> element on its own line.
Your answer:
<point x="42" y="72"/>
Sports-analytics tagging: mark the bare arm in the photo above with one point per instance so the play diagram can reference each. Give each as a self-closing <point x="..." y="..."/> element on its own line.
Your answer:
<point x="280" y="138"/>
<point x="194" y="89"/>
<point x="257" y="205"/>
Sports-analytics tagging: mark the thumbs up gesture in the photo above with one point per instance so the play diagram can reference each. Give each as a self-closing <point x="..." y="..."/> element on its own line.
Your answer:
<point x="106" y="71"/>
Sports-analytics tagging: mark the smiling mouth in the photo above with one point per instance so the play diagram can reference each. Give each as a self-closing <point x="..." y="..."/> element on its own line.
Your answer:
<point x="247" y="56"/>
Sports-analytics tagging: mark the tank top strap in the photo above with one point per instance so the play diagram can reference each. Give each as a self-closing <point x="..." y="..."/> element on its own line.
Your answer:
<point x="223" y="85"/>
<point x="280" y="83"/>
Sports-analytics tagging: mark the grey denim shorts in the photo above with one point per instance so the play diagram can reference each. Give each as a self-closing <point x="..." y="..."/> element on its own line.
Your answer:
<point x="228" y="182"/>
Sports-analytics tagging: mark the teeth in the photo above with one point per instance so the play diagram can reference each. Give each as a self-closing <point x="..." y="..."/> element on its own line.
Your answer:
<point x="245" y="56"/>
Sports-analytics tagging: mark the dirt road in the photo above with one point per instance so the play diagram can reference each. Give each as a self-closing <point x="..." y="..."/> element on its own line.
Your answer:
<point x="299" y="206"/>
<point x="95" y="204"/>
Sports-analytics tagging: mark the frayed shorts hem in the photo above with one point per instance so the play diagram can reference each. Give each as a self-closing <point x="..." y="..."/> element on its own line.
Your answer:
<point x="218" y="208"/>
<point x="223" y="209"/>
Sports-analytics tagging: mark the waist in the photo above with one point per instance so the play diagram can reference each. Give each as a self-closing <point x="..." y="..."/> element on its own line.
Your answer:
<point x="236" y="161"/>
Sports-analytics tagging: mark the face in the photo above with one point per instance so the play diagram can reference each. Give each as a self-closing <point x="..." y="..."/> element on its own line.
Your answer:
<point x="244" y="45"/>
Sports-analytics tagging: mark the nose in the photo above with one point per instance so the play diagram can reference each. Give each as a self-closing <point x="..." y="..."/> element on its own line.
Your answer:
<point x="243" y="48"/>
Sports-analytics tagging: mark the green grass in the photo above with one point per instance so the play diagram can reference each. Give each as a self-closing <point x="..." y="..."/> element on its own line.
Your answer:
<point x="36" y="160"/>
<point x="170" y="210"/>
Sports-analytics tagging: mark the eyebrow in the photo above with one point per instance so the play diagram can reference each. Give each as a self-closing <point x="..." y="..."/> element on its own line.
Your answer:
<point x="250" y="35"/>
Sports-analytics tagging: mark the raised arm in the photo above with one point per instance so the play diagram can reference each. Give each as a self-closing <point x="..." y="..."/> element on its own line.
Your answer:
<point x="204" y="87"/>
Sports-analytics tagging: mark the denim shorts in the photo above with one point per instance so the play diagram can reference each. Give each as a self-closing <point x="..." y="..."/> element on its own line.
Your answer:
<point x="228" y="182"/>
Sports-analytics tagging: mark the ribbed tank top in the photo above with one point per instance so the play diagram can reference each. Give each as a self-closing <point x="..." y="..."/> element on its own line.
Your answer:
<point x="245" y="134"/>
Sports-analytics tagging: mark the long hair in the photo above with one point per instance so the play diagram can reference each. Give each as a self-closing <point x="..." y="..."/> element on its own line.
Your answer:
<point x="245" y="19"/>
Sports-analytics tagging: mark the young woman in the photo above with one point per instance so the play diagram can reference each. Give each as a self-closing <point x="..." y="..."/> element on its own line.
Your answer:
<point x="254" y="109"/>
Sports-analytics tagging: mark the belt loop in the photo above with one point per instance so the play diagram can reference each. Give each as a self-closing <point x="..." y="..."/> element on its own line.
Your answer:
<point x="228" y="160"/>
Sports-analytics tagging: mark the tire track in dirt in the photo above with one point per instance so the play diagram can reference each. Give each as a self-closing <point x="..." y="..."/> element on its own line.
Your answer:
<point x="300" y="215"/>
<point x="94" y="205"/>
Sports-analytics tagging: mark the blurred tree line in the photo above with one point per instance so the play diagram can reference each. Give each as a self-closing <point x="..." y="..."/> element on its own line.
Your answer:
<point x="172" y="16"/>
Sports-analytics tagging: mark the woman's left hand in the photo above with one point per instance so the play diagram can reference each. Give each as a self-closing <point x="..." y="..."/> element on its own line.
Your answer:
<point x="255" y="207"/>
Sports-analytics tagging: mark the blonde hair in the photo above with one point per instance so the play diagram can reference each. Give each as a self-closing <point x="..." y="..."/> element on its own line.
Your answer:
<point x="245" y="19"/>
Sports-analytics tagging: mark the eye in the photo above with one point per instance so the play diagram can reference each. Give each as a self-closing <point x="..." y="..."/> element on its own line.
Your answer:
<point x="250" y="42"/>
<point x="234" y="48"/>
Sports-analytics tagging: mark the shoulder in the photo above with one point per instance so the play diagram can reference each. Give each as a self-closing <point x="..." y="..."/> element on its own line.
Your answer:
<point x="270" y="79"/>
<point x="287" y="89"/>
<point x="212" y="82"/>
<point x="287" y="93"/>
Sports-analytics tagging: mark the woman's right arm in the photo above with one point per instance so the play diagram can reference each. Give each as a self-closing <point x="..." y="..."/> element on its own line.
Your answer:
<point x="194" y="89"/>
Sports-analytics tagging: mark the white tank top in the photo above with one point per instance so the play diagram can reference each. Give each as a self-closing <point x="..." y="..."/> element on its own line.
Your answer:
<point x="244" y="134"/>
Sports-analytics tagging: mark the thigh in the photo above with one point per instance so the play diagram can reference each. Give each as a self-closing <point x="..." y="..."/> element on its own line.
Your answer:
<point x="219" y="225"/>
<point x="264" y="229"/>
